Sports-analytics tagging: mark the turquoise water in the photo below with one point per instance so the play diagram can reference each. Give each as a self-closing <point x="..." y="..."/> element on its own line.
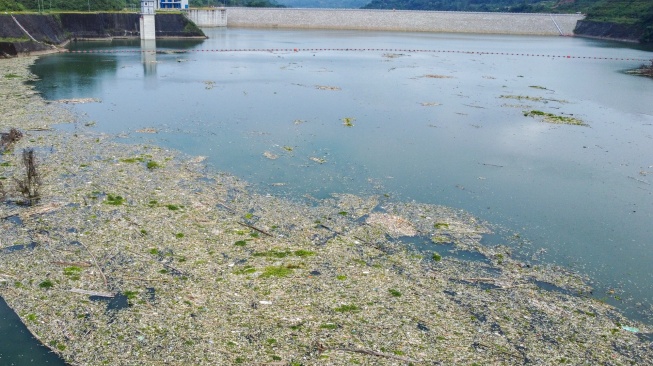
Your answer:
<point x="432" y="127"/>
<point x="17" y="346"/>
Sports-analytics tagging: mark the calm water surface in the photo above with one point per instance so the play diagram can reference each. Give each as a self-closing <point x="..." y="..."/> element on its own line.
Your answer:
<point x="579" y="196"/>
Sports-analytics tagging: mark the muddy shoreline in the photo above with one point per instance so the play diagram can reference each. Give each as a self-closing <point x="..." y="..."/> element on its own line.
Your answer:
<point x="140" y="255"/>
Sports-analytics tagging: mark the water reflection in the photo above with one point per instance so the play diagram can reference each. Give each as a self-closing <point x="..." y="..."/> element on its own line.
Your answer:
<point x="76" y="76"/>
<point x="148" y="58"/>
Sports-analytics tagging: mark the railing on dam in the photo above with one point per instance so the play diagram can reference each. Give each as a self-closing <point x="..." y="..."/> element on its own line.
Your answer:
<point x="390" y="20"/>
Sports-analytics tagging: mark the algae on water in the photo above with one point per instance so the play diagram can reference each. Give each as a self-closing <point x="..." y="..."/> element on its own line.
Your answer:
<point x="554" y="118"/>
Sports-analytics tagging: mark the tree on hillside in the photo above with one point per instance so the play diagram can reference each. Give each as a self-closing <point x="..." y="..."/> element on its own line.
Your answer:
<point x="10" y="5"/>
<point x="243" y="3"/>
<point x="77" y="5"/>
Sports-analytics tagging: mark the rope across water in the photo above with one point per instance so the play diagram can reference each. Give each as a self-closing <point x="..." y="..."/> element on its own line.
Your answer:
<point x="173" y="51"/>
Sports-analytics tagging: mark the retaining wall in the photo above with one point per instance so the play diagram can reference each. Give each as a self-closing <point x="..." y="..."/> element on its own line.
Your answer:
<point x="43" y="31"/>
<point x="105" y="25"/>
<point x="404" y="20"/>
<point x="605" y="30"/>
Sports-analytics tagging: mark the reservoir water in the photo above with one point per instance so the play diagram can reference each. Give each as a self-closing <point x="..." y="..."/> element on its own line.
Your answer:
<point x="436" y="127"/>
<point x="446" y="126"/>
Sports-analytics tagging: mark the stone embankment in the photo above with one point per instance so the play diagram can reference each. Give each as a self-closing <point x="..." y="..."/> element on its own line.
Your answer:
<point x="411" y="21"/>
<point x="607" y="30"/>
<point x="28" y="33"/>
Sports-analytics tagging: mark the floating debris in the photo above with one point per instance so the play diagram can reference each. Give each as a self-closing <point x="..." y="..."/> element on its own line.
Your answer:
<point x="393" y="55"/>
<point x="554" y="118"/>
<point x="533" y="99"/>
<point x="644" y="70"/>
<point x="148" y="130"/>
<point x="318" y="160"/>
<point x="394" y="225"/>
<point x="324" y="87"/>
<point x="270" y="155"/>
<point x="630" y="329"/>
<point x="436" y="76"/>
<point x="430" y="104"/>
<point x="78" y="101"/>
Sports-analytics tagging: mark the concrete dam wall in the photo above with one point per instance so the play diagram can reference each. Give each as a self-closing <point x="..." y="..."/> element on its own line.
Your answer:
<point x="403" y="20"/>
<point x="208" y="17"/>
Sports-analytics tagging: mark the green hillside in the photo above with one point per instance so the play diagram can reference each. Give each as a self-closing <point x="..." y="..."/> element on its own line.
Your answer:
<point x="66" y="5"/>
<point x="636" y="13"/>
<point x="113" y="5"/>
<point x="520" y="6"/>
<point x="325" y="4"/>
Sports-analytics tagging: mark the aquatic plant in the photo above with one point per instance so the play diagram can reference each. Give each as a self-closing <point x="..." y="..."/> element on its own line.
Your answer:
<point x="46" y="284"/>
<point x="130" y="295"/>
<point x="132" y="160"/>
<point x="436" y="257"/>
<point x="553" y="118"/>
<point x="348" y="121"/>
<point x="244" y="270"/>
<point x="151" y="165"/>
<point x="114" y="200"/>
<point x="272" y="254"/>
<point x="347" y="308"/>
<point x="73" y="272"/>
<point x="303" y="253"/>
<point x="394" y="292"/>
<point x="276" y="271"/>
